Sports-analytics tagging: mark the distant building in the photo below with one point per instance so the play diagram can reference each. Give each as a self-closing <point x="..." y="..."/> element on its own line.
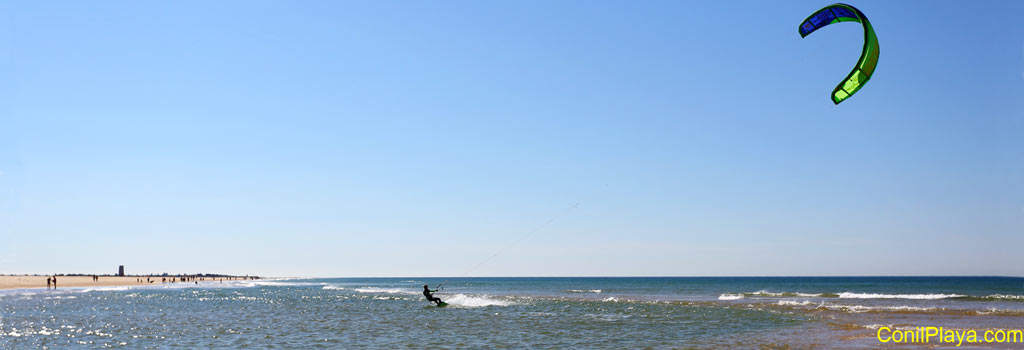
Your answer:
<point x="120" y="270"/>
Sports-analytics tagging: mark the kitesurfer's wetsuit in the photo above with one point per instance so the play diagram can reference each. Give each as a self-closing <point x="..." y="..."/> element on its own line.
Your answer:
<point x="430" y="296"/>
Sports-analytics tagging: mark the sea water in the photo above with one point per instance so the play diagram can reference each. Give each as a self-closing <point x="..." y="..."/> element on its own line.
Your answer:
<point x="593" y="313"/>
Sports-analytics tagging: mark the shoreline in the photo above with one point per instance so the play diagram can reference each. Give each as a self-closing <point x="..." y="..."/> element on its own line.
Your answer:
<point x="39" y="281"/>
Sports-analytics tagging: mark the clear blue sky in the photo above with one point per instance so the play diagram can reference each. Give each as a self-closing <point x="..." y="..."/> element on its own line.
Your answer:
<point x="415" y="138"/>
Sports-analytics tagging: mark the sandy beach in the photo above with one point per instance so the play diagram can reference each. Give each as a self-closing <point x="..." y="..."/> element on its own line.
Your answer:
<point x="33" y="281"/>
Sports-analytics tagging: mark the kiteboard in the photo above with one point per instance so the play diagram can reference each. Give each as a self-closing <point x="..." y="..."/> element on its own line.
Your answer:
<point x="442" y="304"/>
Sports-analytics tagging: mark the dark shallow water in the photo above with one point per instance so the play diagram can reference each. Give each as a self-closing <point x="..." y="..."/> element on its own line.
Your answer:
<point x="606" y="313"/>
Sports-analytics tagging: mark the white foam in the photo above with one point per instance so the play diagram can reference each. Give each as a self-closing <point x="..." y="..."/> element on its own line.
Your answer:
<point x="193" y="285"/>
<point x="807" y="295"/>
<point x="584" y="291"/>
<point x="62" y="297"/>
<point x="333" y="287"/>
<point x="862" y="308"/>
<point x="105" y="289"/>
<point x="795" y="303"/>
<point x="728" y="296"/>
<point x="385" y="290"/>
<point x="388" y="298"/>
<point x="462" y="300"/>
<point x="284" y="284"/>
<point x="606" y="317"/>
<point x="612" y="299"/>
<point x="877" y="326"/>
<point x="849" y="295"/>
<point x="765" y="293"/>
<point x="995" y="311"/>
<point x="1006" y="296"/>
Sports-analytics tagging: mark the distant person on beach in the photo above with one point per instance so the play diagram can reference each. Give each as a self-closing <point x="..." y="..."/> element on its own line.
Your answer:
<point x="430" y="295"/>
<point x="48" y="283"/>
<point x="55" y="282"/>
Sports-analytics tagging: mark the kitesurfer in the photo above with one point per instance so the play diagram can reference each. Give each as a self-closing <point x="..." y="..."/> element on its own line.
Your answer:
<point x="430" y="295"/>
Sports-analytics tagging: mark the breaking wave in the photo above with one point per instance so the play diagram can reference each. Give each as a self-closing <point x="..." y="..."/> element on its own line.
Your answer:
<point x="284" y="284"/>
<point x="1001" y="297"/>
<point x="849" y="295"/>
<point x="863" y="308"/>
<point x="855" y="308"/>
<point x="795" y="303"/>
<point x="462" y="300"/>
<point x="764" y="293"/>
<point x="855" y="295"/>
<point x="728" y="296"/>
<point x="767" y="294"/>
<point x="385" y="290"/>
<point x="898" y="308"/>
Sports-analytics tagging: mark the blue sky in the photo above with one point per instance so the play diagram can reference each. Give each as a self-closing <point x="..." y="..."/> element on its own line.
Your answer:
<point x="377" y="138"/>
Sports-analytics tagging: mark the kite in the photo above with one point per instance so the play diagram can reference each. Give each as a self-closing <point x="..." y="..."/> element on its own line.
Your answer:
<point x="865" y="67"/>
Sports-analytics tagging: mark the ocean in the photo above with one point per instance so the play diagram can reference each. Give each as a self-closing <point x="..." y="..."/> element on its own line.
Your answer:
<point x="535" y="313"/>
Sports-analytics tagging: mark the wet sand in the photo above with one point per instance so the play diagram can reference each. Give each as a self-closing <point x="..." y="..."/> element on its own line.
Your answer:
<point x="22" y="281"/>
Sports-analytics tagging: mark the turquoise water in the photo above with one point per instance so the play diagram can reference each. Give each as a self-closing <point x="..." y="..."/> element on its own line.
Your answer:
<point x="602" y="313"/>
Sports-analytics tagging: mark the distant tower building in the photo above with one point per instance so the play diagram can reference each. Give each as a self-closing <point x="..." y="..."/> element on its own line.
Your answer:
<point x="120" y="270"/>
